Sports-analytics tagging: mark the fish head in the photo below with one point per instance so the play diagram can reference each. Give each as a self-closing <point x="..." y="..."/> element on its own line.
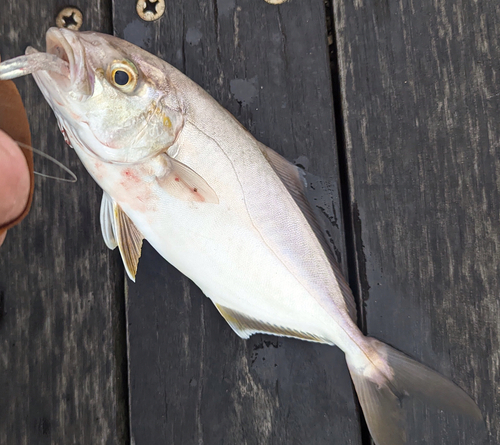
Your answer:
<point x="116" y="101"/>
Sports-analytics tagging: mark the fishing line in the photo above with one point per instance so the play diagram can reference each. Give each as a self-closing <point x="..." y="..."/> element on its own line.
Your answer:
<point x="53" y="160"/>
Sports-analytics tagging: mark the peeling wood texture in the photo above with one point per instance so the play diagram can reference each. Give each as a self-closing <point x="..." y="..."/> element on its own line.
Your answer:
<point x="420" y="100"/>
<point x="192" y="380"/>
<point x="61" y="348"/>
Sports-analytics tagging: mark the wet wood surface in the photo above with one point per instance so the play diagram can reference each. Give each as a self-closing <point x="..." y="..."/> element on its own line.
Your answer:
<point x="86" y="359"/>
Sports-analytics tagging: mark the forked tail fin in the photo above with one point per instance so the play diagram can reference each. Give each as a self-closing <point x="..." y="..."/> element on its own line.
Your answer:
<point x="386" y="377"/>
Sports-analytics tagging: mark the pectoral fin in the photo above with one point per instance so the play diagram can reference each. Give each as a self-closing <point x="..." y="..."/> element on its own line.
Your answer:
<point x="119" y="230"/>
<point x="245" y="326"/>
<point x="185" y="184"/>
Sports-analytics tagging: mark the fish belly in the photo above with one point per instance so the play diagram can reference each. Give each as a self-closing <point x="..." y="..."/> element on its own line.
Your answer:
<point x="233" y="266"/>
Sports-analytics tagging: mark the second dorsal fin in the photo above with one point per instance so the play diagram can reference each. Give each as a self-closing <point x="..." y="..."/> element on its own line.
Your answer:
<point x="291" y="177"/>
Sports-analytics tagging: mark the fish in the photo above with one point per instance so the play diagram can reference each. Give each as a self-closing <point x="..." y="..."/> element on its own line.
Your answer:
<point x="180" y="171"/>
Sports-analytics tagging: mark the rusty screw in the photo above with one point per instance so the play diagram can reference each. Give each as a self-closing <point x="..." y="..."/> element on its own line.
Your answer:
<point x="69" y="17"/>
<point x="150" y="10"/>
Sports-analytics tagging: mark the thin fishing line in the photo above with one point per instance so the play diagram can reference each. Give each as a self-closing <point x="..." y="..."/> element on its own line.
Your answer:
<point x="55" y="161"/>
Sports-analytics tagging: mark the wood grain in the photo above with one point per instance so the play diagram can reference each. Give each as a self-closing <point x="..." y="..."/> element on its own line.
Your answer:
<point x="192" y="380"/>
<point x="419" y="83"/>
<point x="420" y="101"/>
<point x="62" y="346"/>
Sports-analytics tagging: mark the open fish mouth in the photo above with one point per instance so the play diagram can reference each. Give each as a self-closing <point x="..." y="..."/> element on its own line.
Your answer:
<point x="63" y="61"/>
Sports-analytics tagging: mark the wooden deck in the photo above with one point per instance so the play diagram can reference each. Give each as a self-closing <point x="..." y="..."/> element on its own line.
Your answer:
<point x="395" y="106"/>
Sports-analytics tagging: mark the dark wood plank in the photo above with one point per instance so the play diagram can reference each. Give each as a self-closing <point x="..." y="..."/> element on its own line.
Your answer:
<point x="192" y="380"/>
<point x="61" y="346"/>
<point x="420" y="104"/>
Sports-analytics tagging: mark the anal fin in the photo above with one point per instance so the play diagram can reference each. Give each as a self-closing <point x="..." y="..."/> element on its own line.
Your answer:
<point x="245" y="326"/>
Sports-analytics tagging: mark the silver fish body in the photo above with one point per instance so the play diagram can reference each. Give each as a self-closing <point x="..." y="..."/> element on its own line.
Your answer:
<point x="178" y="170"/>
<point x="253" y="252"/>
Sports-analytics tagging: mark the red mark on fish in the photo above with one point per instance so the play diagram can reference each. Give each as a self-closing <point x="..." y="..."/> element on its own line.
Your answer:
<point x="131" y="174"/>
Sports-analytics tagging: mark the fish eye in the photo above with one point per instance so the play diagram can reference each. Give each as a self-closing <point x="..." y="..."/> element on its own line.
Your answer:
<point x="123" y="75"/>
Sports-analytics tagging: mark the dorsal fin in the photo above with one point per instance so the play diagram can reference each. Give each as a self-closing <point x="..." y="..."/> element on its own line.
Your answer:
<point x="293" y="180"/>
<point x="245" y="326"/>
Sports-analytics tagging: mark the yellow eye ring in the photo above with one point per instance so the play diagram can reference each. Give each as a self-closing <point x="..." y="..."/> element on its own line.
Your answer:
<point x="123" y="75"/>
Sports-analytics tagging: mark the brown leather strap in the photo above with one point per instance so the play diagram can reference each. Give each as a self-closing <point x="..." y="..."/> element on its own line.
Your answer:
<point x="14" y="122"/>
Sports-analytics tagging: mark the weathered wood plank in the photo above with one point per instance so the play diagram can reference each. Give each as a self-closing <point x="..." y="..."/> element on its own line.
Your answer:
<point x="61" y="347"/>
<point x="419" y="82"/>
<point x="192" y="380"/>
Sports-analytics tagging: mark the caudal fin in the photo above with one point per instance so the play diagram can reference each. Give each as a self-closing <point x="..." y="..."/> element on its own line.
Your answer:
<point x="386" y="377"/>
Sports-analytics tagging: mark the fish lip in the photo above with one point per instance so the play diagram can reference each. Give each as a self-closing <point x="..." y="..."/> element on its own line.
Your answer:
<point x="66" y="45"/>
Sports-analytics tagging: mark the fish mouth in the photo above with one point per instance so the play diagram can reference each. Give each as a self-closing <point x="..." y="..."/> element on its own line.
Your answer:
<point x="66" y="45"/>
<point x="63" y="67"/>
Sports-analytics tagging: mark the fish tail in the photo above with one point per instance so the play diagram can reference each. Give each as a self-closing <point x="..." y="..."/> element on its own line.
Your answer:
<point x="383" y="377"/>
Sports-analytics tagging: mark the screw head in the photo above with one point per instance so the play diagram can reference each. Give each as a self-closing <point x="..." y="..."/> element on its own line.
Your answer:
<point x="150" y="10"/>
<point x="69" y="17"/>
